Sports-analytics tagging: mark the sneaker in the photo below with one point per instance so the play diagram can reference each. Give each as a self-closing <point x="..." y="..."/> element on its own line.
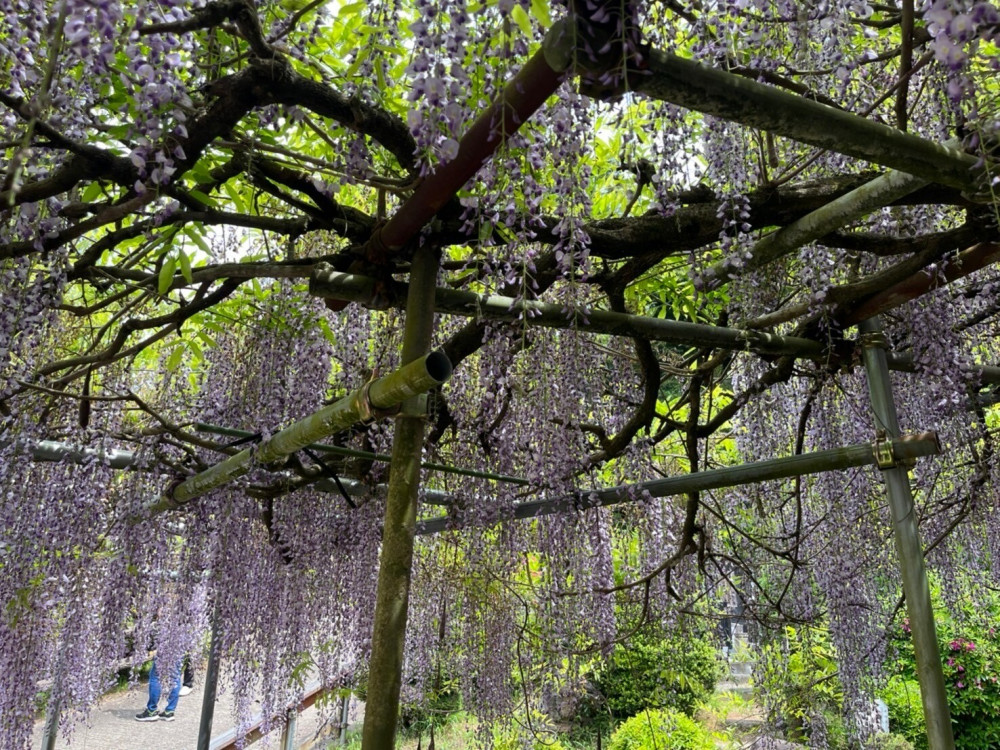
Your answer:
<point x="186" y="690"/>
<point x="147" y="715"/>
<point x="167" y="715"/>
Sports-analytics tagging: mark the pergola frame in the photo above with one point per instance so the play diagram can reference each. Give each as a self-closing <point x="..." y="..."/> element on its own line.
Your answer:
<point x="662" y="76"/>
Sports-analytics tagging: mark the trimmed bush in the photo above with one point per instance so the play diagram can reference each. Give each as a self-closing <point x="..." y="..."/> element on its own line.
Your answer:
<point x="661" y="730"/>
<point x="649" y="673"/>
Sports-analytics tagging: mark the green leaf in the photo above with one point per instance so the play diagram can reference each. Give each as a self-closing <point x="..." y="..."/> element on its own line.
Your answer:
<point x="185" y="266"/>
<point x="234" y="195"/>
<point x="203" y="198"/>
<point x="196" y="237"/>
<point x="92" y="192"/>
<point x="352" y="9"/>
<point x="540" y="10"/>
<point x="166" y="277"/>
<point x="174" y="360"/>
<point x="522" y="19"/>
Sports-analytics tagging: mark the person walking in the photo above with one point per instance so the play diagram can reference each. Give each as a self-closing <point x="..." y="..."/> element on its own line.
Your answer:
<point x="155" y="690"/>
<point x="187" y="685"/>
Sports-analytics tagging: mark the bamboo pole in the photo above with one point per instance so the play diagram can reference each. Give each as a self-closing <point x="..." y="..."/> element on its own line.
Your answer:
<point x="916" y="588"/>
<point x="904" y="448"/>
<point x="211" y="685"/>
<point x="337" y="450"/>
<point x="968" y="261"/>
<point x="396" y="561"/>
<point x="715" y="92"/>
<point x="326" y="282"/>
<point x="839" y="212"/>
<point x="414" y="378"/>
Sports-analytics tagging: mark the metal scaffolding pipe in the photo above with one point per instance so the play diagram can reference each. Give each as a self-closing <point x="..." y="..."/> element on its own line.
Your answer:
<point x="863" y="454"/>
<point x="916" y="588"/>
<point x="715" y="92"/>
<point x="364" y="404"/>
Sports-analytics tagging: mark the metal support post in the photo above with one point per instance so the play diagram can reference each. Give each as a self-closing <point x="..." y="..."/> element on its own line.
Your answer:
<point x="396" y="560"/>
<point x="916" y="588"/>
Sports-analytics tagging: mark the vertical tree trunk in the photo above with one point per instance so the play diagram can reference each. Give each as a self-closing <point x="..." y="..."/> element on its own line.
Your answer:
<point x="392" y="597"/>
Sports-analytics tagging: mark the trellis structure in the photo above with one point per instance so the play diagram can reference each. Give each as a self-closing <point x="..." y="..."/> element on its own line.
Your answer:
<point x="393" y="247"/>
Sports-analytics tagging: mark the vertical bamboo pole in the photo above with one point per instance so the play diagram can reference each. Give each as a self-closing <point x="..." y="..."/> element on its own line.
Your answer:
<point x="345" y="716"/>
<point x="53" y="708"/>
<point x="288" y="733"/>
<point x="916" y="588"/>
<point x="395" y="563"/>
<point x="211" y="685"/>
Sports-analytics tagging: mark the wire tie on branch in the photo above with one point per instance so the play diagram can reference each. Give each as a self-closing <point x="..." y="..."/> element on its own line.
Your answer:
<point x="254" y="438"/>
<point x="327" y="470"/>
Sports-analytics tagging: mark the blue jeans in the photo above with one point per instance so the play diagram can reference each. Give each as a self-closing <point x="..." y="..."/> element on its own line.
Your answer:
<point x="155" y="688"/>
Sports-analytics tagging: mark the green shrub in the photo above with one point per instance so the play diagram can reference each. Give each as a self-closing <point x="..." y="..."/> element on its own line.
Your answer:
<point x="799" y="679"/>
<point x="892" y="742"/>
<point x="510" y="742"/>
<point x="970" y="653"/>
<point x="648" y="672"/>
<point x="906" y="713"/>
<point x="661" y="730"/>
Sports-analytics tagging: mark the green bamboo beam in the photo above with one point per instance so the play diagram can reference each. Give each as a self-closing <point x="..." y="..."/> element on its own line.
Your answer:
<point x="386" y="393"/>
<point x="903" y="449"/>
<point x="392" y="595"/>
<point x="338" y="450"/>
<point x="52" y="450"/>
<point x="326" y="282"/>
<point x="916" y="587"/>
<point x="903" y="362"/>
<point x="846" y="209"/>
<point x="715" y="92"/>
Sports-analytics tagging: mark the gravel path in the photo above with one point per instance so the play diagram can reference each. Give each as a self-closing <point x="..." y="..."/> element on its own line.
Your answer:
<point x="112" y="724"/>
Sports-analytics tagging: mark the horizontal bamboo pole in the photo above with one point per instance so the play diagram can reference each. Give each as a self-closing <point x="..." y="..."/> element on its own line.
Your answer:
<point x="51" y="450"/>
<point x="326" y="282"/>
<point x="385" y="393"/>
<point x="731" y="97"/>
<point x="337" y="450"/>
<point x="848" y="208"/>
<point x="863" y="454"/>
<point x="985" y="374"/>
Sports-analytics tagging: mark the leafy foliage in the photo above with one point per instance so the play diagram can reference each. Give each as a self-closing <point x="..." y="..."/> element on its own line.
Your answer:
<point x="970" y="651"/>
<point x="647" y="672"/>
<point x="798" y="678"/>
<point x="660" y="729"/>
<point x="174" y="173"/>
